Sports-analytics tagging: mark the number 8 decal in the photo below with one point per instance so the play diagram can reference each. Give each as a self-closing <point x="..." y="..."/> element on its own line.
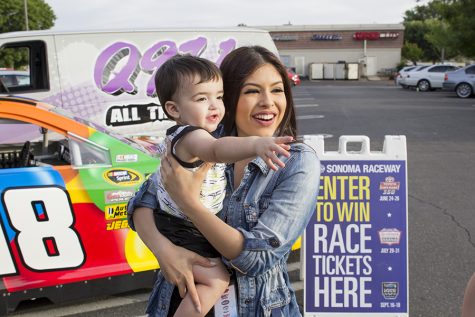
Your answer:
<point x="43" y="220"/>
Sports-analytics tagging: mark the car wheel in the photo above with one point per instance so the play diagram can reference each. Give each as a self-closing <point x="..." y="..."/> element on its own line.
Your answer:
<point x="423" y="85"/>
<point x="463" y="90"/>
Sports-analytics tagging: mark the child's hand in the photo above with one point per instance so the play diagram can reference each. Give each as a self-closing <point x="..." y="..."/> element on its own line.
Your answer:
<point x="268" y="148"/>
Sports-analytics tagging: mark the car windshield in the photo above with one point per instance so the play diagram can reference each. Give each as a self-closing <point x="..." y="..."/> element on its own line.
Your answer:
<point x="103" y="129"/>
<point x="420" y="68"/>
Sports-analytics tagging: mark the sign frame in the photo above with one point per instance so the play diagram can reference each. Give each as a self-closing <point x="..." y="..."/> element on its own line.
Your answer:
<point x="394" y="149"/>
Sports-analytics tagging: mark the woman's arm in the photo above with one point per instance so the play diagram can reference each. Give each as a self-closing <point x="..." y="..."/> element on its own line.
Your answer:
<point x="175" y="262"/>
<point x="291" y="205"/>
<point x="468" y="306"/>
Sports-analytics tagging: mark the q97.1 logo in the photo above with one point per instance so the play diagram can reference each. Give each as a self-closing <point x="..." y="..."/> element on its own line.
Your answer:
<point x="118" y="66"/>
<point x="41" y="221"/>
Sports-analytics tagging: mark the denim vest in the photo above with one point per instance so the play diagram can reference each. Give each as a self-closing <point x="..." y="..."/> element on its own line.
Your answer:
<point x="271" y="209"/>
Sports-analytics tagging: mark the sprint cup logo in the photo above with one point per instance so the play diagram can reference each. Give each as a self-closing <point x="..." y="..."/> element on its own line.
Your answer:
<point x="113" y="212"/>
<point x="122" y="177"/>
<point x="390" y="290"/>
<point x="389" y="236"/>
<point x="389" y="184"/>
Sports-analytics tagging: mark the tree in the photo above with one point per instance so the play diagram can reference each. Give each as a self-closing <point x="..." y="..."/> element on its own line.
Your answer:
<point x="442" y="38"/>
<point x="460" y="14"/>
<point x="412" y="52"/>
<point x="449" y="27"/>
<point x="424" y="12"/>
<point x="12" y="18"/>
<point x="415" y="33"/>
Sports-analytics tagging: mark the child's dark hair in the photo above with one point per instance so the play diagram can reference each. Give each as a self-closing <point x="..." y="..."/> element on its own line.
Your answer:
<point x="181" y="70"/>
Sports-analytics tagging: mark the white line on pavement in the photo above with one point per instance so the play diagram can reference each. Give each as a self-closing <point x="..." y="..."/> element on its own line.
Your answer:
<point x="311" y="116"/>
<point x="90" y="306"/>
<point x="307" y="105"/>
<point x="295" y="99"/>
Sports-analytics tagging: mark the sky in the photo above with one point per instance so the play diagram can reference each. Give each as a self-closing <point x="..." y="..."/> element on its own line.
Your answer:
<point x="107" y="14"/>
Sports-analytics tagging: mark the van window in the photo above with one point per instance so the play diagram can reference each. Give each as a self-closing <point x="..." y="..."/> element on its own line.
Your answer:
<point x="23" y="67"/>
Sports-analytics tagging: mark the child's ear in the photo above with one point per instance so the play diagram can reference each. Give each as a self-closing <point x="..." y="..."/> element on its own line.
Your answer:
<point x="172" y="109"/>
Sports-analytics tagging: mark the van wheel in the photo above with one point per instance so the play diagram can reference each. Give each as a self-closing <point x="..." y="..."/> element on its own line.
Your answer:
<point x="423" y="85"/>
<point x="463" y="90"/>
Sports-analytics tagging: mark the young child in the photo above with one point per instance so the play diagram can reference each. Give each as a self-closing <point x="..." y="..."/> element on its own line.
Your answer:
<point x="190" y="90"/>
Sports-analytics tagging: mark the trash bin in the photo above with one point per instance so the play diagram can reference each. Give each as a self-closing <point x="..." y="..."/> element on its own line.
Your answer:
<point x="316" y="71"/>
<point x="329" y="71"/>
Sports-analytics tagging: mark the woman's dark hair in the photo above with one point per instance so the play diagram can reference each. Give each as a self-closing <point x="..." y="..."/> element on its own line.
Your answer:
<point x="236" y="67"/>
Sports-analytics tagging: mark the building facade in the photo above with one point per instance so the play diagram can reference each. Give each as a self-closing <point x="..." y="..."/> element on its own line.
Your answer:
<point x="374" y="47"/>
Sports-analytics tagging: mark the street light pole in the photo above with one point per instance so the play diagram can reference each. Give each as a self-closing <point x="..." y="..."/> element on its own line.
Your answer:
<point x="25" y="4"/>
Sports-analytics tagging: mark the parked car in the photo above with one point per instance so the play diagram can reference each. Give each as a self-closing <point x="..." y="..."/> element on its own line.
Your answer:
<point x="401" y="73"/>
<point x="429" y="78"/>
<point x="402" y="80"/>
<point x="14" y="78"/>
<point x="64" y="185"/>
<point x="462" y="81"/>
<point x="294" y="78"/>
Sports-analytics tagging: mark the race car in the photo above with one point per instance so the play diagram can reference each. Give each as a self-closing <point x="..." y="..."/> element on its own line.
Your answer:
<point x="64" y="186"/>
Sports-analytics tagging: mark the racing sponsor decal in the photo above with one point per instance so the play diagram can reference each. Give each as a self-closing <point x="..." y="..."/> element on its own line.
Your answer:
<point x="117" y="224"/>
<point x="389" y="183"/>
<point x="126" y="158"/>
<point x="389" y="236"/>
<point x="118" y="211"/>
<point x="122" y="176"/>
<point x="390" y="290"/>
<point x="118" y="196"/>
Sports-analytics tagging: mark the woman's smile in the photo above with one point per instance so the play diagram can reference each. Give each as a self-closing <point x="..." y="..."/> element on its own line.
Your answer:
<point x="262" y="103"/>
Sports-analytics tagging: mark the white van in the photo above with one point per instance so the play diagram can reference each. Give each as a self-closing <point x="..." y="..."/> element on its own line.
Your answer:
<point x="108" y="76"/>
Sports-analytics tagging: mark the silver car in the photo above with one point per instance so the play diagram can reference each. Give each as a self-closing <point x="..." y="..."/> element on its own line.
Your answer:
<point x="400" y="75"/>
<point x="462" y="81"/>
<point x="13" y="78"/>
<point x="429" y="78"/>
<point x="402" y="81"/>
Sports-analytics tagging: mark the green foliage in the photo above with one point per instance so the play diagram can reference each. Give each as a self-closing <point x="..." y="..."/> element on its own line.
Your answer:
<point x="12" y="15"/>
<point x="415" y="33"/>
<point x="401" y="64"/>
<point x="412" y="52"/>
<point x="443" y="29"/>
<point x="12" y="18"/>
<point x="460" y="14"/>
<point x="14" y="58"/>
<point x="424" y="12"/>
<point x="441" y="37"/>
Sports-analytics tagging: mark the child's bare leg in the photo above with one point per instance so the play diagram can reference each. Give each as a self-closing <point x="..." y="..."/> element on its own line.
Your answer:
<point x="211" y="282"/>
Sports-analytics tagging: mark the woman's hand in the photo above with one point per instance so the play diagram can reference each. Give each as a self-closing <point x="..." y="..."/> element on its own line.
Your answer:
<point x="176" y="264"/>
<point x="182" y="185"/>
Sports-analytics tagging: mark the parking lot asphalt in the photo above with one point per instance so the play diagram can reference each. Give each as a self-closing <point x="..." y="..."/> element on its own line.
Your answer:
<point x="440" y="132"/>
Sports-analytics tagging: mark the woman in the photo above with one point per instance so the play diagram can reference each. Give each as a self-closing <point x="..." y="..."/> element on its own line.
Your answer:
<point x="264" y="211"/>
